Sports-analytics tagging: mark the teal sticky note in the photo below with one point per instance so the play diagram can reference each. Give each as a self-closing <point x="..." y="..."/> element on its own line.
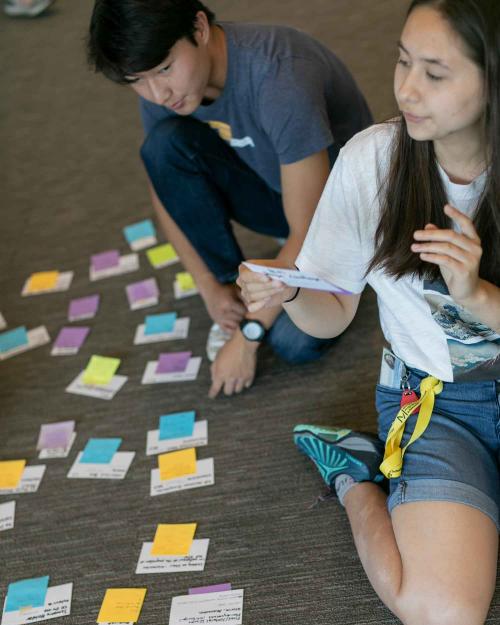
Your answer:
<point x="160" y="323"/>
<point x="100" y="450"/>
<point x="176" y="425"/>
<point x="13" y="338"/>
<point x="140" y="230"/>
<point x="27" y="593"/>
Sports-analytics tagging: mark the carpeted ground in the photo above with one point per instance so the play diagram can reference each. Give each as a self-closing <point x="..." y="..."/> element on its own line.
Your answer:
<point x="71" y="179"/>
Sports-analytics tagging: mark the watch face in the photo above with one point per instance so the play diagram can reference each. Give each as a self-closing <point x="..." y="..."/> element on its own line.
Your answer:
<point x="253" y="330"/>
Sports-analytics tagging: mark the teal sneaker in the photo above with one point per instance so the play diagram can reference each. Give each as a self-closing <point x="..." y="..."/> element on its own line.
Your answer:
<point x="335" y="451"/>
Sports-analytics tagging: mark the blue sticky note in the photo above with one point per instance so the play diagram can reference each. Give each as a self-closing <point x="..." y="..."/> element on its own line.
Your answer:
<point x="140" y="230"/>
<point x="100" y="450"/>
<point x="27" y="593"/>
<point x="13" y="338"/>
<point x="176" y="425"/>
<point x="160" y="323"/>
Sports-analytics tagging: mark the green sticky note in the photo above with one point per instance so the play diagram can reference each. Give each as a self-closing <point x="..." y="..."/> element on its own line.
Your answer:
<point x="162" y="255"/>
<point x="100" y="370"/>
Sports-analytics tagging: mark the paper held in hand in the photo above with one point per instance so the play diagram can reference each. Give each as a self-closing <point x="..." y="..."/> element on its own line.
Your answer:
<point x="293" y="277"/>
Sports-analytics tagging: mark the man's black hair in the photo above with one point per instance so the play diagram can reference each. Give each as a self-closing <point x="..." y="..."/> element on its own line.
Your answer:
<point x="130" y="36"/>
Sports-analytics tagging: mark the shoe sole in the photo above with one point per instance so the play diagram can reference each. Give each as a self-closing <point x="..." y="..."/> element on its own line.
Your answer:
<point x="324" y="447"/>
<point x="27" y="12"/>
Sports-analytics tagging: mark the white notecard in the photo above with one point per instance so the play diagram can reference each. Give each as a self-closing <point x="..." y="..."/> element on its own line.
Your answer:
<point x="199" y="438"/>
<point x="204" y="476"/>
<point x="7" y="515"/>
<point x="127" y="264"/>
<point x="114" y="470"/>
<point x="208" y="608"/>
<point x="180" y="331"/>
<point x="194" y="561"/>
<point x="36" y="338"/>
<point x="63" y="283"/>
<point x="180" y="294"/>
<point x="3" y="323"/>
<point x="143" y="243"/>
<point x="57" y="604"/>
<point x="57" y="452"/>
<point x="30" y="481"/>
<point x="106" y="391"/>
<point x="190" y="373"/>
<point x="293" y="277"/>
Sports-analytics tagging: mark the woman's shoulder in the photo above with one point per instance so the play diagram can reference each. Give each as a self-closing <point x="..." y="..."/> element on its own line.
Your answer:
<point x="374" y="141"/>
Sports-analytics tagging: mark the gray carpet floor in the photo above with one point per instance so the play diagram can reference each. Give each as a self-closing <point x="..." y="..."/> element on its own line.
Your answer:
<point x="71" y="180"/>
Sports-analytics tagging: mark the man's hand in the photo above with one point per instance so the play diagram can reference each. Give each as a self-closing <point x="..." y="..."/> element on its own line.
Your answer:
<point x="234" y="368"/>
<point x="223" y="305"/>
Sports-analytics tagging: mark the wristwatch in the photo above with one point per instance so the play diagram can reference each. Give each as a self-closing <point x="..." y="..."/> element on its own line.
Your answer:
<point x="252" y="329"/>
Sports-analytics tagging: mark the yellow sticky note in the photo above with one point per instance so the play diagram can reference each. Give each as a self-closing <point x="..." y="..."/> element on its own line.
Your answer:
<point x="11" y="472"/>
<point x="161" y="254"/>
<point x="185" y="281"/>
<point x="100" y="370"/>
<point x="43" y="281"/>
<point x="121" y="605"/>
<point x="177" y="463"/>
<point x="173" y="540"/>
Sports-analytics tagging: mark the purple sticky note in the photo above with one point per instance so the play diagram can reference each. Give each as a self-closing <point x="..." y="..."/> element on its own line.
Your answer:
<point x="146" y="289"/>
<point x="83" y="308"/>
<point x="55" y="435"/>
<point x="174" y="362"/>
<point x="201" y="590"/>
<point x="71" y="337"/>
<point x="105" y="260"/>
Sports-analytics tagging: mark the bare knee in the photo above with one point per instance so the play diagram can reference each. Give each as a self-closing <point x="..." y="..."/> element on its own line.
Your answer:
<point x="426" y="609"/>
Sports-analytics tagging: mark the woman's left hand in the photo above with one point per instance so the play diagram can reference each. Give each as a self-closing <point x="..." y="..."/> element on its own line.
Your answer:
<point x="458" y="254"/>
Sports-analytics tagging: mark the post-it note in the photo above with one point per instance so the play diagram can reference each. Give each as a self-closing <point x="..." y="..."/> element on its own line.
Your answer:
<point x="13" y="338"/>
<point x="100" y="370"/>
<point x="185" y="280"/>
<point x="162" y="255"/>
<point x="203" y="590"/>
<point x="177" y="464"/>
<point x="100" y="450"/>
<point x="71" y="337"/>
<point x="83" y="307"/>
<point x="176" y="425"/>
<point x="173" y="362"/>
<point x="121" y="605"/>
<point x="42" y="281"/>
<point x="27" y="593"/>
<point x="55" y="435"/>
<point x="156" y="324"/>
<point x="173" y="539"/>
<point x="140" y="230"/>
<point x="105" y="260"/>
<point x="11" y="472"/>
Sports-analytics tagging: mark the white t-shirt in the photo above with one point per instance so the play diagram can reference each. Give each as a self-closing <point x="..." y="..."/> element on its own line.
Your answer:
<point x="419" y="319"/>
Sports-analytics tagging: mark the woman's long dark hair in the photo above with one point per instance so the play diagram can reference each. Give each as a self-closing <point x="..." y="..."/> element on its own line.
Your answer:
<point x="413" y="194"/>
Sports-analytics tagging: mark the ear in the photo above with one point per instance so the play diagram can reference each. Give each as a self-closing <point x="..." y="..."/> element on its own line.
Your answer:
<point x="202" y="32"/>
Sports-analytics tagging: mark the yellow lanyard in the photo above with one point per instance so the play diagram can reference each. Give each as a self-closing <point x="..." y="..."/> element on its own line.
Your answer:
<point x="393" y="457"/>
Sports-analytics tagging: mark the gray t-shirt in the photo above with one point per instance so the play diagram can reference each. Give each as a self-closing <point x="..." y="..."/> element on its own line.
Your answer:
<point x="286" y="97"/>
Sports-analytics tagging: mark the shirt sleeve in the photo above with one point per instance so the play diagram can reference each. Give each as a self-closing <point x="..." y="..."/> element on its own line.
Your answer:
<point x="339" y="244"/>
<point x="293" y="110"/>
<point x="151" y="114"/>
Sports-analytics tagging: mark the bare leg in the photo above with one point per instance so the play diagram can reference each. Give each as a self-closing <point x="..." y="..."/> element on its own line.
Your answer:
<point x="432" y="562"/>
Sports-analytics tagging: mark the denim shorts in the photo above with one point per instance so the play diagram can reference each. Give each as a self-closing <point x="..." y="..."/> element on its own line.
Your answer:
<point x="457" y="458"/>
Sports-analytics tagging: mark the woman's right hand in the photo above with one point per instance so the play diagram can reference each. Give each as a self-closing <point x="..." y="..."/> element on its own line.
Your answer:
<point x="259" y="291"/>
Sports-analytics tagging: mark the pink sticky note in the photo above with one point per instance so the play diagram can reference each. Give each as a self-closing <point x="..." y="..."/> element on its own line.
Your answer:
<point x="146" y="289"/>
<point x="72" y="337"/>
<point x="105" y="260"/>
<point x="173" y="362"/>
<point x="55" y="435"/>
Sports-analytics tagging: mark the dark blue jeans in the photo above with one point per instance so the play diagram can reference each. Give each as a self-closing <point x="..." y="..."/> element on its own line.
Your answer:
<point x="204" y="185"/>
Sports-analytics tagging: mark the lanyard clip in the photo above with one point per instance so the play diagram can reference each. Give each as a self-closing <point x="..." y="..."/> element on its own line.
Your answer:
<point x="404" y="383"/>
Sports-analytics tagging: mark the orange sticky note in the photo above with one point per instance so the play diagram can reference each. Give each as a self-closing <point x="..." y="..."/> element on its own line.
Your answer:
<point x="11" y="472"/>
<point x="173" y="539"/>
<point x="185" y="281"/>
<point x="177" y="463"/>
<point x="43" y="281"/>
<point x="121" y="605"/>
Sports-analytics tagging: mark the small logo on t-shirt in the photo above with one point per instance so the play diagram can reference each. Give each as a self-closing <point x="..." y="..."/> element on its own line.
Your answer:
<point x="474" y="348"/>
<point x="226" y="133"/>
